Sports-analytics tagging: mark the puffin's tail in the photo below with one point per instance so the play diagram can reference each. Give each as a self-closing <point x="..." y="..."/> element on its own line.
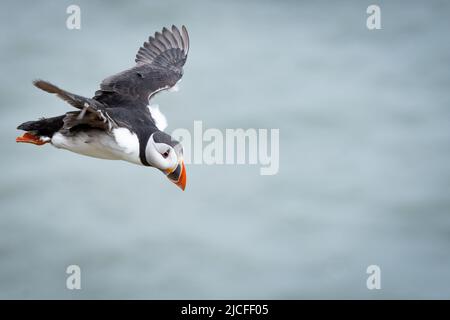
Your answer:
<point x="41" y="131"/>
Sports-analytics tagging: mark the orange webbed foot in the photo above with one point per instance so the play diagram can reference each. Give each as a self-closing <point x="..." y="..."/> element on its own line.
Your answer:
<point x="31" y="138"/>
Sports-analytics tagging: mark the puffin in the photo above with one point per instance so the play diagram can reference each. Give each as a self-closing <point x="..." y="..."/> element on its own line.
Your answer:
<point x="118" y="122"/>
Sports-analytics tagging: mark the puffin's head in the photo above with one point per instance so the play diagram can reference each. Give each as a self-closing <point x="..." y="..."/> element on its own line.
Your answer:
<point x="166" y="154"/>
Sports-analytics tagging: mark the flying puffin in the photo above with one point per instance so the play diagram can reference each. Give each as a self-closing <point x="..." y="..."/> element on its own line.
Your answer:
<point x="118" y="123"/>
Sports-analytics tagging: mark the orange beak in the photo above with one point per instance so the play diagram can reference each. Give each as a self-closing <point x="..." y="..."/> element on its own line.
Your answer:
<point x="178" y="176"/>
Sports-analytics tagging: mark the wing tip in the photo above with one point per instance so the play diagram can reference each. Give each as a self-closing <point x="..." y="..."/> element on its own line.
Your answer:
<point x="46" y="86"/>
<point x="185" y="35"/>
<point x="162" y="41"/>
<point x="38" y="82"/>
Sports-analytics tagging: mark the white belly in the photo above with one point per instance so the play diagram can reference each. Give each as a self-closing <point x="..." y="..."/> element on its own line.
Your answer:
<point x="120" y="145"/>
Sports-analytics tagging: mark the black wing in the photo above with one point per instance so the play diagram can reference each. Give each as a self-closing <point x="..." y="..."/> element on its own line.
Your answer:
<point x="92" y="112"/>
<point x="159" y="66"/>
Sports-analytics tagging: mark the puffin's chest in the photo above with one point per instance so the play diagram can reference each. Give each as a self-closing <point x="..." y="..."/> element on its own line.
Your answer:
<point x="121" y="144"/>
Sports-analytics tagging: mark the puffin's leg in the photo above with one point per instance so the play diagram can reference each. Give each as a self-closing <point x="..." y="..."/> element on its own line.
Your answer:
<point x="31" y="138"/>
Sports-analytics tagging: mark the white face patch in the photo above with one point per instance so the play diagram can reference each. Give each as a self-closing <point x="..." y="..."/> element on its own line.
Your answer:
<point x="160" y="119"/>
<point x="154" y="155"/>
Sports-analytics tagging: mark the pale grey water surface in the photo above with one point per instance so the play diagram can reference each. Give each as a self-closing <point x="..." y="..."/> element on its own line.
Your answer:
<point x="364" y="154"/>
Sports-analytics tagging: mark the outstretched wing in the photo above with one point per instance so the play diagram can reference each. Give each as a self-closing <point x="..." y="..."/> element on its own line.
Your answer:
<point x="159" y="66"/>
<point x="91" y="113"/>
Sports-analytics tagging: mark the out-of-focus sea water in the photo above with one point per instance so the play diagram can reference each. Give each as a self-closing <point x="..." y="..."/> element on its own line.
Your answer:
<point x="364" y="119"/>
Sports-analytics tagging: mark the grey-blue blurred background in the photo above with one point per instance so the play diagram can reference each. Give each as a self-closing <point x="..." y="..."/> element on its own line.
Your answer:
<point x="364" y="154"/>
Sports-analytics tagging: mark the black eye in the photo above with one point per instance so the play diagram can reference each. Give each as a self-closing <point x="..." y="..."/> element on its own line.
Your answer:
<point x="166" y="154"/>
